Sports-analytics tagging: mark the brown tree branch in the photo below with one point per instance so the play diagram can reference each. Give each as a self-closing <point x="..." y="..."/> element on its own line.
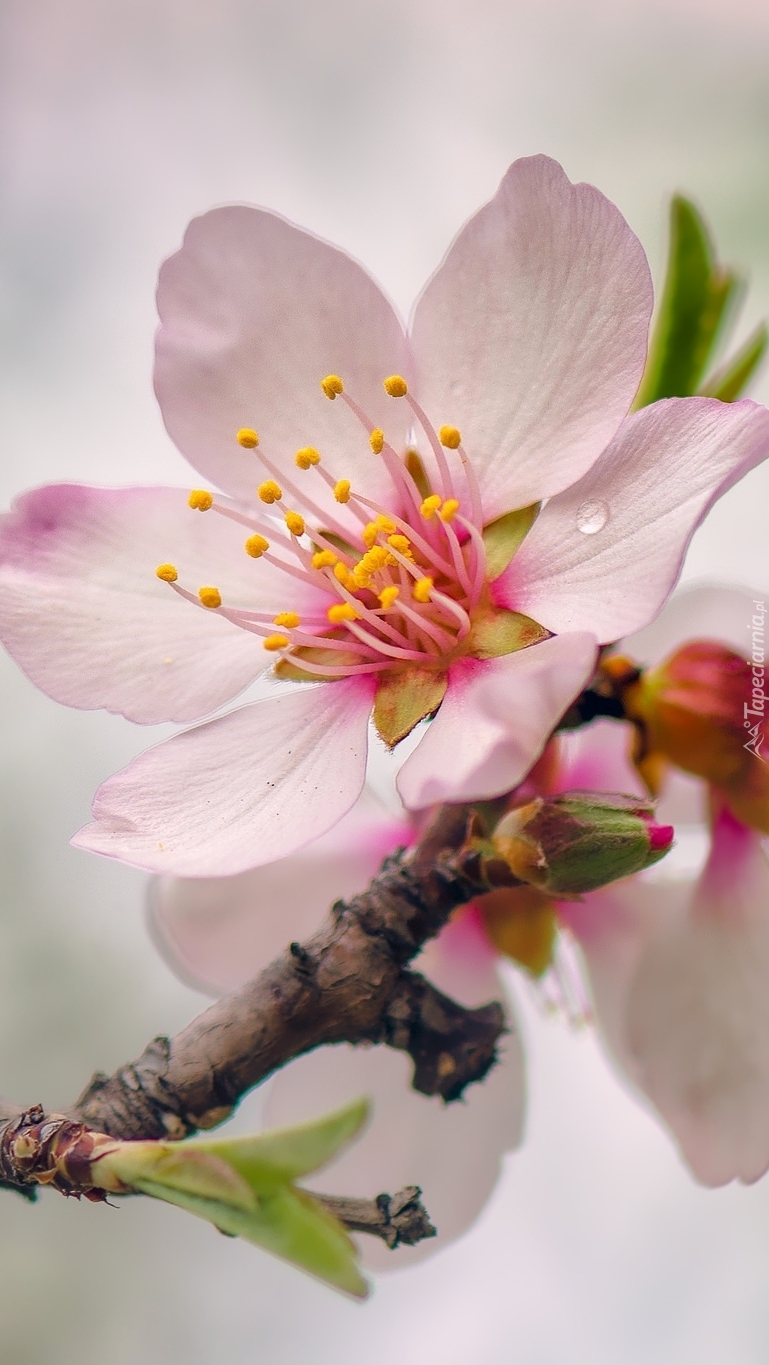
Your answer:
<point x="349" y="983"/>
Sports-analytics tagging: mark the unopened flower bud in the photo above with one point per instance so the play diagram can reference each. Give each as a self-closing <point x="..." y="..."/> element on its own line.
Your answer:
<point x="567" y="845"/>
<point x="704" y="709"/>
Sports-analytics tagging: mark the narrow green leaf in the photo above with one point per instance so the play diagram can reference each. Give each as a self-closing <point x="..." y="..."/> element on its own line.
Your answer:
<point x="244" y="1187"/>
<point x="287" y="1222"/>
<point x="733" y="378"/>
<point x="271" y="1159"/>
<point x="697" y="296"/>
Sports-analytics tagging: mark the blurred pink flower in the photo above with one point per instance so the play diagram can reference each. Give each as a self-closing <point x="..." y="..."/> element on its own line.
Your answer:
<point x="414" y="584"/>
<point x="678" y="958"/>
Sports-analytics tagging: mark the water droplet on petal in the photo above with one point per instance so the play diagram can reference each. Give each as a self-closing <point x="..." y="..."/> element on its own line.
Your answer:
<point x="592" y="517"/>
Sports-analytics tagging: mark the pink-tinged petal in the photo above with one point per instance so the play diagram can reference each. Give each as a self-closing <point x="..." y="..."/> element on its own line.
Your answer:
<point x="698" y="1014"/>
<point x="454" y="1152"/>
<point x="597" y="758"/>
<point x="495" y="721"/>
<point x="531" y="337"/>
<point x="612" y="927"/>
<point x="254" y="313"/>
<point x="83" y="613"/>
<point x="218" y="932"/>
<point x="703" y="612"/>
<point x="241" y="790"/>
<point x="604" y="555"/>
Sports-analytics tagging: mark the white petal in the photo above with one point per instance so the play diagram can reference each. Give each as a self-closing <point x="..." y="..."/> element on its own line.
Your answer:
<point x="495" y="721"/>
<point x="604" y="555"/>
<point x="84" y="614"/>
<point x="531" y="337"/>
<point x="254" y="313"/>
<point x="218" y="932"/>
<point x="698" y="1016"/>
<point x="241" y="790"/>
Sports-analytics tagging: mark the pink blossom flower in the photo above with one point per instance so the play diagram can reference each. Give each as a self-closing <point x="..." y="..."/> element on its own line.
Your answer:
<point x="678" y="957"/>
<point x="407" y="583"/>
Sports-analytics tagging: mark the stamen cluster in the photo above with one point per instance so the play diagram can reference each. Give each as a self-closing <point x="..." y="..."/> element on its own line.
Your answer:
<point x="403" y="582"/>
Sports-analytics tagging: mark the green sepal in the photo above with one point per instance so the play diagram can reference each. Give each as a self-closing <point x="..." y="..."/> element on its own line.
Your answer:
<point x="696" y="298"/>
<point x="244" y="1187"/>
<point x="504" y="537"/>
<point x="733" y="378"/>
<point x="405" y="697"/>
<point x="496" y="631"/>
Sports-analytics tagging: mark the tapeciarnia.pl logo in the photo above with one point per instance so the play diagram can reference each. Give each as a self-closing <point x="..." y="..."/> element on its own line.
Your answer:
<point x="754" y="711"/>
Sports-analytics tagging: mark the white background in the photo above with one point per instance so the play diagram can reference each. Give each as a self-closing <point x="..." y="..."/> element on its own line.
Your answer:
<point x="380" y="126"/>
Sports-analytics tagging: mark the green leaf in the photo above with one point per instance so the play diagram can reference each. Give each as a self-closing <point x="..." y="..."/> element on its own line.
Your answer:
<point x="271" y="1159"/>
<point x="244" y="1187"/>
<point x="733" y="378"/>
<point x="696" y="299"/>
<point x="288" y="1223"/>
<point x="503" y="537"/>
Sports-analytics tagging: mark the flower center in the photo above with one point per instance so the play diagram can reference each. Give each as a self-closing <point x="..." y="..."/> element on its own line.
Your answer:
<point x="402" y="580"/>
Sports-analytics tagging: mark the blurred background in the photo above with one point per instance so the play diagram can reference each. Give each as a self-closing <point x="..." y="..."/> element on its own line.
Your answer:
<point x="382" y="126"/>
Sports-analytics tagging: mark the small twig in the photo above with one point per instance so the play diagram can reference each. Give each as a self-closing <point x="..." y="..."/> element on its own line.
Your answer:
<point x="399" y="1219"/>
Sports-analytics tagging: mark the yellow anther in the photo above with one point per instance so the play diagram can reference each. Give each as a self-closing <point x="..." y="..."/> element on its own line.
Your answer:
<point x="269" y="491"/>
<point x="344" y="576"/>
<point x="289" y="619"/>
<point x="396" y="386"/>
<point x="332" y="385"/>
<point x="210" y="597"/>
<point x="369" y="533"/>
<point x="374" y="559"/>
<point x="401" y="544"/>
<point x="247" y="437"/>
<point x="324" y="559"/>
<point x="200" y="500"/>
<point x="308" y="455"/>
<point x="388" y="595"/>
<point x="449" y="509"/>
<point x="342" y="490"/>
<point x="430" y="506"/>
<point x="422" y="589"/>
<point x="385" y="524"/>
<point x="167" y="572"/>
<point x="376" y="440"/>
<point x="273" y="642"/>
<point x="295" y="523"/>
<point x="451" y="437"/>
<point x="256" y="546"/>
<point x="342" y="611"/>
